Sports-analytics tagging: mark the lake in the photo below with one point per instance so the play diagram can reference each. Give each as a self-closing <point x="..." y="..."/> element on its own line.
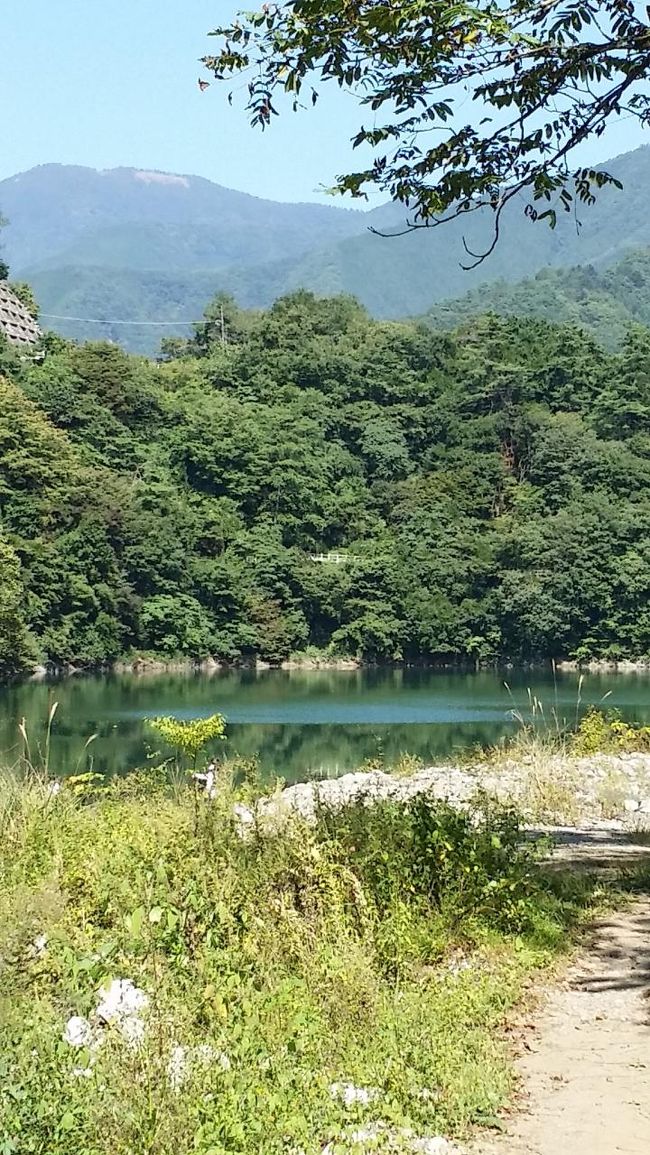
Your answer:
<point x="300" y="722"/>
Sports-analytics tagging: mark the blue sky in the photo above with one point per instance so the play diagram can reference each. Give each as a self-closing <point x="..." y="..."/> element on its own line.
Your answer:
<point x="114" y="82"/>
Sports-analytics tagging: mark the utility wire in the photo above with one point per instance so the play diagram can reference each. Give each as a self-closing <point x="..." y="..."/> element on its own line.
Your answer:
<point x="99" y="321"/>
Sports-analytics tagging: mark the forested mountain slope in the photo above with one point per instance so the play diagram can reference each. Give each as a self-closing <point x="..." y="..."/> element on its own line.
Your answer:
<point x="489" y="488"/>
<point x="605" y="302"/>
<point x="131" y="245"/>
<point x="69" y="215"/>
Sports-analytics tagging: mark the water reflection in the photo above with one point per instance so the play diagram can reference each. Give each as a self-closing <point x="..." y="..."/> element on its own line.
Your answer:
<point x="300" y="721"/>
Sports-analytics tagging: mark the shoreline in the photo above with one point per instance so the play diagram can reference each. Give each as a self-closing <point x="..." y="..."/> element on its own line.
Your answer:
<point x="601" y="792"/>
<point x="150" y="666"/>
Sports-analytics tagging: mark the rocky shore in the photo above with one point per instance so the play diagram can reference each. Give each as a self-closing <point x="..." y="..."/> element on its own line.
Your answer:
<point x="603" y="791"/>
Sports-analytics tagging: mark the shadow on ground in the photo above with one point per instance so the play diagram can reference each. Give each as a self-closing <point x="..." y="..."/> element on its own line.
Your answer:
<point x="625" y="938"/>
<point x="596" y="850"/>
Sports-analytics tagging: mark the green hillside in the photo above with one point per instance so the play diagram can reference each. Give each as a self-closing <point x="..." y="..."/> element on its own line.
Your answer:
<point x="489" y="492"/>
<point x="65" y="215"/>
<point x="604" y="302"/>
<point x="128" y="245"/>
<point x="133" y="295"/>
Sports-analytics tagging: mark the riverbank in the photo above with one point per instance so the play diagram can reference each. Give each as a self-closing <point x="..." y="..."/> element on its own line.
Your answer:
<point x="336" y="982"/>
<point x="603" y="791"/>
<point x="606" y="666"/>
<point x="151" y="664"/>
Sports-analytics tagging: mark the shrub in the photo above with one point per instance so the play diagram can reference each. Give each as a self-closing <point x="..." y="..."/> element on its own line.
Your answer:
<point x="601" y="732"/>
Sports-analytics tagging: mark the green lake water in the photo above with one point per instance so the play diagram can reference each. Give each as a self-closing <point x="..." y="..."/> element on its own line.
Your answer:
<point x="300" y="722"/>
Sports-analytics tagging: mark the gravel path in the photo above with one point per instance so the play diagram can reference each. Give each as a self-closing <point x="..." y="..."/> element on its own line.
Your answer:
<point x="586" y="1068"/>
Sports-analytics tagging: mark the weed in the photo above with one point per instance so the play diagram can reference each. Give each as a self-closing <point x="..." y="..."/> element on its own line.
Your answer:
<point x="306" y="957"/>
<point x="189" y="738"/>
<point x="600" y="732"/>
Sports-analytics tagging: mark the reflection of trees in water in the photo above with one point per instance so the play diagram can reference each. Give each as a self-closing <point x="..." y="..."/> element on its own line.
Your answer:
<point x="294" y="752"/>
<point x="114" y="707"/>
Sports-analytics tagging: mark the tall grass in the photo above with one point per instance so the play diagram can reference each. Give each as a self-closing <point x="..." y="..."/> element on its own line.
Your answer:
<point x="308" y="957"/>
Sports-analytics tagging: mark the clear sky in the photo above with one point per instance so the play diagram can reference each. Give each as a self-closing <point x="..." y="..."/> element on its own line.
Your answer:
<point x="114" y="82"/>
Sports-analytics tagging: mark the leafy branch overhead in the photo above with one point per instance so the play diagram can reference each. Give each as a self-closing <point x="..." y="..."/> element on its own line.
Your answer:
<point x="468" y="105"/>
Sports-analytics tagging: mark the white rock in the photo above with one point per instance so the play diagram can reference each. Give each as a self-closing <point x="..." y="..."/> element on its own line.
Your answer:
<point x="244" y="819"/>
<point x="78" y="1032"/>
<point x="434" y="1145"/>
<point x="353" y="1140"/>
<point x="631" y="805"/>
<point x="120" y="999"/>
<point x="402" y="1139"/>
<point x="367" y="1134"/>
<point x="38" y="947"/>
<point x="132" y="1030"/>
<point x="177" y="1067"/>
<point x="349" y="1094"/>
<point x="82" y="1072"/>
<point x="121" y="1005"/>
<point x="182" y="1059"/>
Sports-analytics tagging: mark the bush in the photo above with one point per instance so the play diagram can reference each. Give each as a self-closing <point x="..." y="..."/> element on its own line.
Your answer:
<point x="606" y="733"/>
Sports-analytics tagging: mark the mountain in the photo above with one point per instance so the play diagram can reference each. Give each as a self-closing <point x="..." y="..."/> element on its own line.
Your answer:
<point x="397" y="276"/>
<point x="64" y="215"/>
<point x="605" y="302"/>
<point x="128" y="244"/>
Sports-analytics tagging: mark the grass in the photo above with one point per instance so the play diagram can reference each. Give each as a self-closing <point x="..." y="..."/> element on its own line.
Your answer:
<point x="384" y="947"/>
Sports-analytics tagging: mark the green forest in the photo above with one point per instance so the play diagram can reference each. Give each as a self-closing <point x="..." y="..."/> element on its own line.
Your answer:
<point x="605" y="302"/>
<point x="487" y="491"/>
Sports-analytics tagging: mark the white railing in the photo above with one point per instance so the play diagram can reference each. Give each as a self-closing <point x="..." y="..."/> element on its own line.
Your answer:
<point x="330" y="558"/>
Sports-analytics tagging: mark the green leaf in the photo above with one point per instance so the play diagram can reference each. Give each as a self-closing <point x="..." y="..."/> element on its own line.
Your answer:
<point x="135" y="921"/>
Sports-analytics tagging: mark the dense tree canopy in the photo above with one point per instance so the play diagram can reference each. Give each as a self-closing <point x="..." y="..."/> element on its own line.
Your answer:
<point x="488" y="491"/>
<point x="467" y="105"/>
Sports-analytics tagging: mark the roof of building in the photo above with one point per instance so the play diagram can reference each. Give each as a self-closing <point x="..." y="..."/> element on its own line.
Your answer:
<point x="16" y="322"/>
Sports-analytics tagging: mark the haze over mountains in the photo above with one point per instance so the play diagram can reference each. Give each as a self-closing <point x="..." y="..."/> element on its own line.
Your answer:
<point x="126" y="244"/>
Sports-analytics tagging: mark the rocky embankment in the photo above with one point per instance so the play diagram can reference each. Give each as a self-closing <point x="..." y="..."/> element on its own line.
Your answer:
<point x="604" y="791"/>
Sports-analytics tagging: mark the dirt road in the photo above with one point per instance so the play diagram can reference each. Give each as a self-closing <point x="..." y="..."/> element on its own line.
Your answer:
<point x="586" y="1074"/>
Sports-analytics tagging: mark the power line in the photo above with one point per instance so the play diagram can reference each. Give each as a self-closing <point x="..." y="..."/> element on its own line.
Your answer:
<point x="99" y="321"/>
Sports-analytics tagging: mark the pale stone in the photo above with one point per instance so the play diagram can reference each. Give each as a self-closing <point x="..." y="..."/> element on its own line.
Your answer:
<point x="121" y="1005"/>
<point x="349" y="1094"/>
<point x="182" y="1059"/>
<point x="78" y="1032"/>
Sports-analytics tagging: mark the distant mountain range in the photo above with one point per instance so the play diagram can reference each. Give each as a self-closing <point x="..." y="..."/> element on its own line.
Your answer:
<point x="133" y="245"/>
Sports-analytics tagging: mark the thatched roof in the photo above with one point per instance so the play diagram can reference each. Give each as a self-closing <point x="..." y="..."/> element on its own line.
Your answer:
<point x="17" y="324"/>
